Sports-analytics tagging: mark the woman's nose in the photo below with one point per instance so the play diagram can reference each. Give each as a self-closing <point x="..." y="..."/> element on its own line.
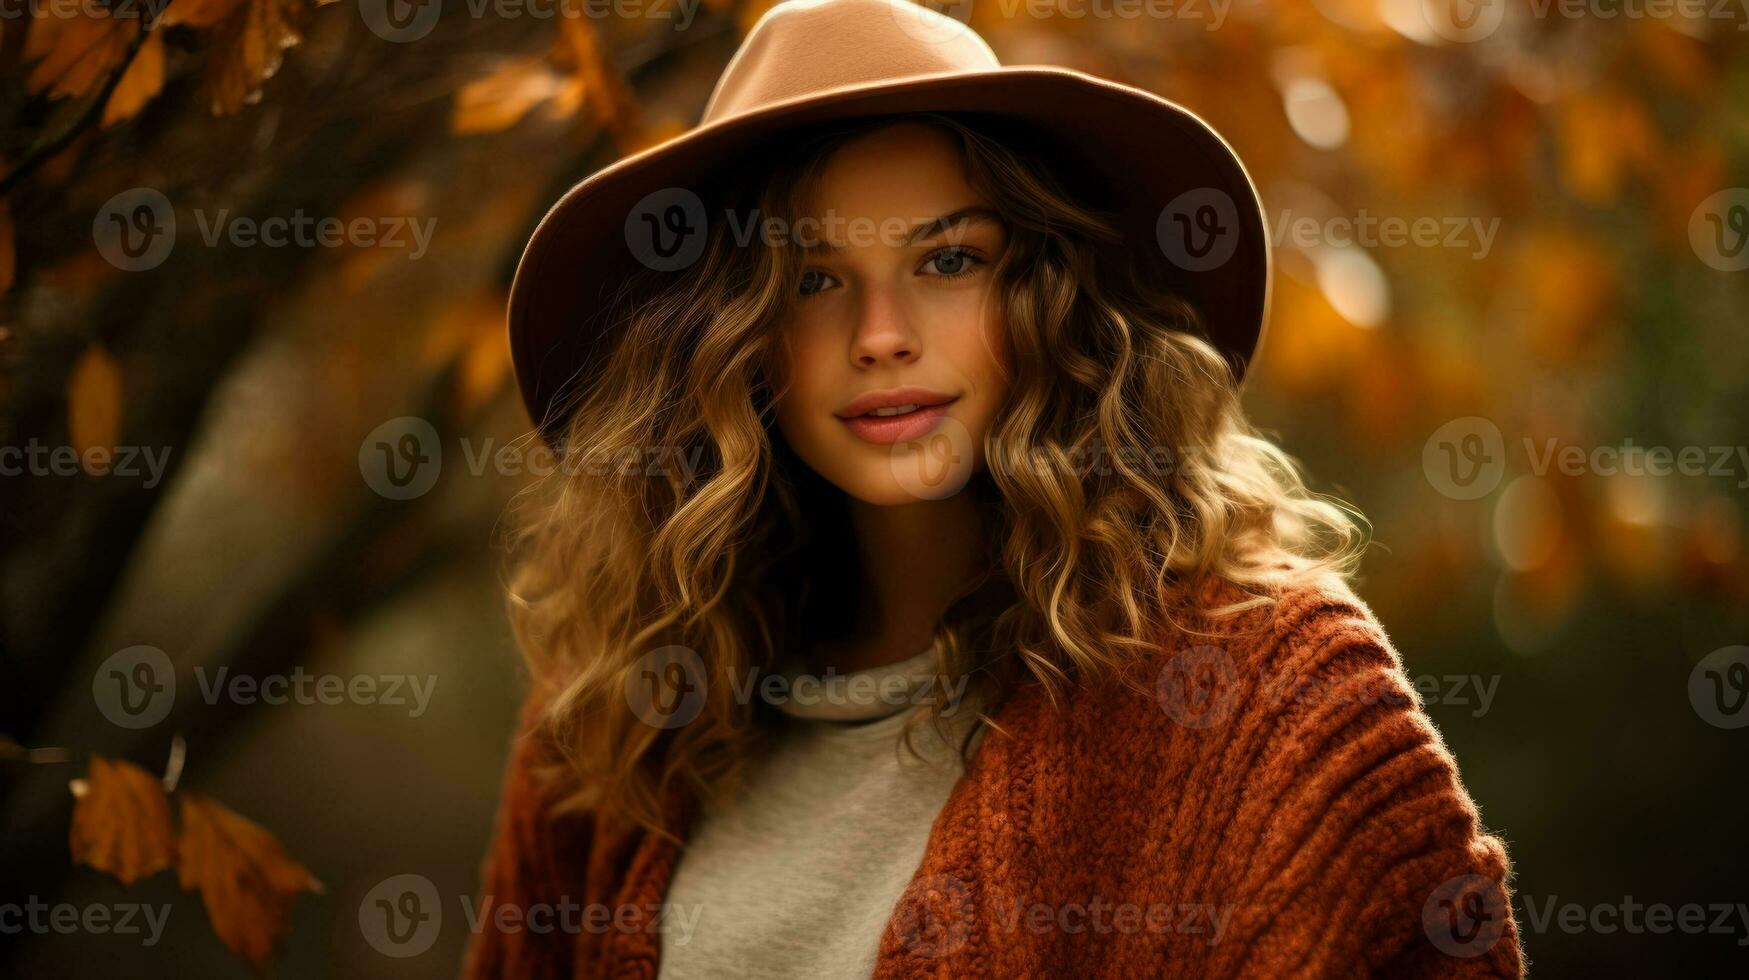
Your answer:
<point x="883" y="331"/>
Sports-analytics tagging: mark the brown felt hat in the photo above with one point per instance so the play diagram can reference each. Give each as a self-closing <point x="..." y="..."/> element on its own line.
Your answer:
<point x="1175" y="183"/>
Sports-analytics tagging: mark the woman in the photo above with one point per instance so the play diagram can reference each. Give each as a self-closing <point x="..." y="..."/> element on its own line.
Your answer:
<point x="914" y="599"/>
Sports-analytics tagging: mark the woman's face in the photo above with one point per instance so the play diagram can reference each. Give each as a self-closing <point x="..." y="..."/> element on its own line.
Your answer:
<point x="895" y="308"/>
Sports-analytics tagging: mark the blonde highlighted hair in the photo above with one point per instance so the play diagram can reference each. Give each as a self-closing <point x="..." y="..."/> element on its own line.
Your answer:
<point x="718" y="548"/>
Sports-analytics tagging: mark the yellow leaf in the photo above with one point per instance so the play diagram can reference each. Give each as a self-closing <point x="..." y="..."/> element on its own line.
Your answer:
<point x="75" y="53"/>
<point x="94" y="392"/>
<point x="485" y="360"/>
<point x="199" y="13"/>
<point x="499" y="100"/>
<point x="143" y="79"/>
<point x="247" y="49"/>
<point x="121" y="821"/>
<point x="245" y="877"/>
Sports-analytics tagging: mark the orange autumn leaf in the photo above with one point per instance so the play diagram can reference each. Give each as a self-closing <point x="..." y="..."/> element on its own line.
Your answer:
<point x="199" y="13"/>
<point x="500" y="100"/>
<point x="74" y="54"/>
<point x="484" y="365"/>
<point x="94" y="399"/>
<point x="1603" y="136"/>
<point x="248" y="47"/>
<point x="577" y="51"/>
<point x="142" y="80"/>
<point x="245" y="877"/>
<point x="121" y="821"/>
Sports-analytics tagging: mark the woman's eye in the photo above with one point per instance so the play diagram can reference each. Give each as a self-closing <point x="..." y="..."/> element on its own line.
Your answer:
<point x="953" y="262"/>
<point x="813" y="280"/>
<point x="949" y="263"/>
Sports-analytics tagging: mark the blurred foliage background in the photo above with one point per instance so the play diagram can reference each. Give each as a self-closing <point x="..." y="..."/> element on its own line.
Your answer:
<point x="1601" y="150"/>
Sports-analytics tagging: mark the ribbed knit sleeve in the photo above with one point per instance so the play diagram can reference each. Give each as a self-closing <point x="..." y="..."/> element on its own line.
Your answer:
<point x="524" y="874"/>
<point x="1356" y="846"/>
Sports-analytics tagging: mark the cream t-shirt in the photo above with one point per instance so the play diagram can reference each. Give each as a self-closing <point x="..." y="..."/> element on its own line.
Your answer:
<point x="798" y="875"/>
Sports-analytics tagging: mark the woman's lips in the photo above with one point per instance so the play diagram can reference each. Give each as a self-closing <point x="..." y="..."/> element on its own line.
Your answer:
<point x="885" y="431"/>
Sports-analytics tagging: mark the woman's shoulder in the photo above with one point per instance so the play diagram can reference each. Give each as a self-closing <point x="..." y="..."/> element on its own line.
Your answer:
<point x="1248" y="653"/>
<point x="1291" y="701"/>
<point x="1284" y="751"/>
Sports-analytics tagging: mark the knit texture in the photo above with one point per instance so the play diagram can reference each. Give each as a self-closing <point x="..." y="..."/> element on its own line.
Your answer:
<point x="1272" y="802"/>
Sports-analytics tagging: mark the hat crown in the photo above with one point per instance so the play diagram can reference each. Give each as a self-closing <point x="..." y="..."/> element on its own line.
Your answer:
<point x="803" y="47"/>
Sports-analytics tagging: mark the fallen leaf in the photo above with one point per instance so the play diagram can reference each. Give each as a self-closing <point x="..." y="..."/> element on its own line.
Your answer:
<point x="245" y="877"/>
<point x="143" y="80"/>
<point x="121" y="821"/>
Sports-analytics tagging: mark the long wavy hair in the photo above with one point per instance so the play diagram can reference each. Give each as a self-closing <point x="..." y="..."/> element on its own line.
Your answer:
<point x="1122" y="473"/>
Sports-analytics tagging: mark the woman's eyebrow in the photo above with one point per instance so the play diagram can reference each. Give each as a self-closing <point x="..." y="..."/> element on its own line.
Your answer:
<point x="926" y="228"/>
<point x="969" y="214"/>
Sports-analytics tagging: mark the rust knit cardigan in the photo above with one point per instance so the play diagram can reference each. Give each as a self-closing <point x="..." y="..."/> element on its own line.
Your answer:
<point x="1304" y="795"/>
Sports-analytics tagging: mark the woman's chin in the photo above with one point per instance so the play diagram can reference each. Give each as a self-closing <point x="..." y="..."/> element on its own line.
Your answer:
<point x="904" y="479"/>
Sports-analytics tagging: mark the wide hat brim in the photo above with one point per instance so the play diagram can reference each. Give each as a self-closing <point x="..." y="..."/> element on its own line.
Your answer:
<point x="1182" y="189"/>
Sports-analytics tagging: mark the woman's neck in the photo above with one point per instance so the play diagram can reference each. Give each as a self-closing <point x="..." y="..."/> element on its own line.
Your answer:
<point x="915" y="559"/>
